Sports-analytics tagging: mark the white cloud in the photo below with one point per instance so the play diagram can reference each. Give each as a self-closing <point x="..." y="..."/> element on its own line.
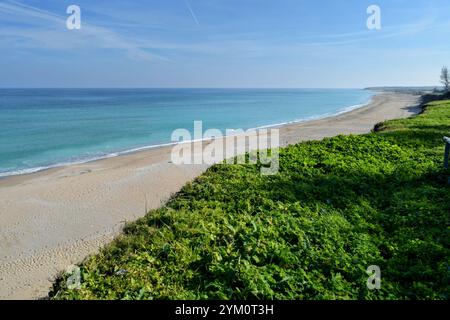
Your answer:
<point x="42" y="28"/>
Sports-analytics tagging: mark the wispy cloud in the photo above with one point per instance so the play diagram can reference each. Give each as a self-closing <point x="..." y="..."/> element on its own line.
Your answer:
<point x="387" y="32"/>
<point x="138" y="45"/>
<point x="49" y="36"/>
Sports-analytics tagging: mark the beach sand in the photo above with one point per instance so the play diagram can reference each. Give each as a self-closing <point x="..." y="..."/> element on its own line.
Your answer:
<point x="52" y="219"/>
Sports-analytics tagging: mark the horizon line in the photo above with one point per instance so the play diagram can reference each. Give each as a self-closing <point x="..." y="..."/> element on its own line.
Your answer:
<point x="215" y="88"/>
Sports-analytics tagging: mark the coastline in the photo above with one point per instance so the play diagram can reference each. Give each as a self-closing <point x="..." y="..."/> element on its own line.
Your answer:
<point x="54" y="218"/>
<point x="126" y="152"/>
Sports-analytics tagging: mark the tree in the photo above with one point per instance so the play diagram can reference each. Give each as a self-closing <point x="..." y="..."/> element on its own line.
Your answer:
<point x="445" y="79"/>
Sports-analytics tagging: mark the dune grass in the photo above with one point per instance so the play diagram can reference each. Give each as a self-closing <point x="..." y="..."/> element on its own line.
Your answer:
<point x="336" y="207"/>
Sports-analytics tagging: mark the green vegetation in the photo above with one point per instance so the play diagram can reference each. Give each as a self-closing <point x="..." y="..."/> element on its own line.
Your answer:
<point x="336" y="207"/>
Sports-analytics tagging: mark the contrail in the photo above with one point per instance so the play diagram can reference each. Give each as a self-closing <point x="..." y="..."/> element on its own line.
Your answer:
<point x="192" y="12"/>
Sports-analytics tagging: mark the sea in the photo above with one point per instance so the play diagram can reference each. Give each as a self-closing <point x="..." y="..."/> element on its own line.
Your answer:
<point x="45" y="128"/>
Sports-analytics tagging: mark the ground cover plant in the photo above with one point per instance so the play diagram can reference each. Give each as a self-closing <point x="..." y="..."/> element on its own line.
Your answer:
<point x="336" y="207"/>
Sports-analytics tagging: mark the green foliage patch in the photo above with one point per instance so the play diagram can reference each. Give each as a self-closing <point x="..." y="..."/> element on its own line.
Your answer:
<point x="336" y="207"/>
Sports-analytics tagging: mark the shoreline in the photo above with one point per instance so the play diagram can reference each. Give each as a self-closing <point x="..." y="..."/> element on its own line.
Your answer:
<point x="56" y="217"/>
<point x="22" y="172"/>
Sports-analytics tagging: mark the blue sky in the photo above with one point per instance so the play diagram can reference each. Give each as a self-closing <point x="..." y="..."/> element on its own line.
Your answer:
<point x="223" y="43"/>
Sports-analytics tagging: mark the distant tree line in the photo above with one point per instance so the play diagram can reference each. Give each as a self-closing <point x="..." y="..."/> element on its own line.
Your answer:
<point x="439" y="94"/>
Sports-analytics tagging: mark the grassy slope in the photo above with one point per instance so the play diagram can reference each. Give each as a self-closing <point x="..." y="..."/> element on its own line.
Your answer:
<point x="336" y="207"/>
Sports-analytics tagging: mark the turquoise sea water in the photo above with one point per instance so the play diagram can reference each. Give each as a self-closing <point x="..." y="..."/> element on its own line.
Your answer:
<point x="41" y="128"/>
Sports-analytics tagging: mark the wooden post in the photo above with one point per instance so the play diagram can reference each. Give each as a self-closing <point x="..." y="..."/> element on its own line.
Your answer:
<point x="447" y="151"/>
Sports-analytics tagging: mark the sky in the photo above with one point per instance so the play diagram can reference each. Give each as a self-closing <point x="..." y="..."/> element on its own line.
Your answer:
<point x="223" y="43"/>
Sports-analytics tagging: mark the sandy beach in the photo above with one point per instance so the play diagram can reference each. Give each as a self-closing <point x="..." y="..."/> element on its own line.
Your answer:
<point x="52" y="219"/>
